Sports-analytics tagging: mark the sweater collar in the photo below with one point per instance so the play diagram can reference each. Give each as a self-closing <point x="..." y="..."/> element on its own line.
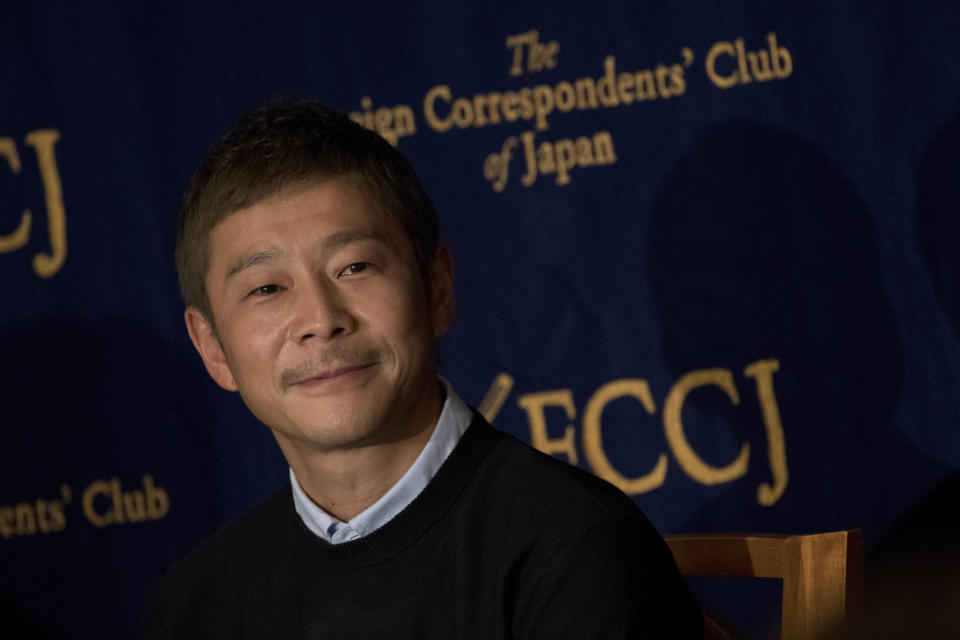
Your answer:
<point x="411" y="523"/>
<point x="454" y="419"/>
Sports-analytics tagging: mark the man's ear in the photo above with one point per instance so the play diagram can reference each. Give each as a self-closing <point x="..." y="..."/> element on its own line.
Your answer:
<point x="443" y="303"/>
<point x="208" y="346"/>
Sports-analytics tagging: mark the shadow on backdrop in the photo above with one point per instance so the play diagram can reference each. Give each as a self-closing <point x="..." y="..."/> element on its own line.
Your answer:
<point x="760" y="248"/>
<point x="90" y="410"/>
<point x="938" y="217"/>
<point x="913" y="575"/>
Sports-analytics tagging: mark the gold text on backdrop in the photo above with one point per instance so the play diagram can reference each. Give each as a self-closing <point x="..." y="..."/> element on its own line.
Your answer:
<point x="727" y="64"/>
<point x="762" y="65"/>
<point x="103" y="502"/>
<point x="688" y="459"/>
<point x="45" y="264"/>
<point x="538" y="56"/>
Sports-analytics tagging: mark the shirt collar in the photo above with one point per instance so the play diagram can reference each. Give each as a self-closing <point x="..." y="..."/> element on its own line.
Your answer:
<point x="453" y="422"/>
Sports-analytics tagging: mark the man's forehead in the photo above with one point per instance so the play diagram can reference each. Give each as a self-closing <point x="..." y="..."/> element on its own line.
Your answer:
<point x="235" y="244"/>
<point x="340" y="200"/>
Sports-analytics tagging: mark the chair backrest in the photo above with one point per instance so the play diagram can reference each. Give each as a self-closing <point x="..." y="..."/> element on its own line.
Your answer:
<point x="822" y="573"/>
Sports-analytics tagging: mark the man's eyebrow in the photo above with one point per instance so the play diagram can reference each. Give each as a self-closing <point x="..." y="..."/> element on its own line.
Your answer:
<point x="333" y="241"/>
<point x="336" y="240"/>
<point x="253" y="259"/>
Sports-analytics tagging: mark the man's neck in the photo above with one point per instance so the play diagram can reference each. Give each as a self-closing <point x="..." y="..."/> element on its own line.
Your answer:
<point x="345" y="482"/>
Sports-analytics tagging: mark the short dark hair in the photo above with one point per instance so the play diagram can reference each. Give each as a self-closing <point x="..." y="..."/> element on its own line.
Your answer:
<point x="286" y="143"/>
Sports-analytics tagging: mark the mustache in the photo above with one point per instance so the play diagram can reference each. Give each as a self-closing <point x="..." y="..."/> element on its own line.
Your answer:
<point x="331" y="357"/>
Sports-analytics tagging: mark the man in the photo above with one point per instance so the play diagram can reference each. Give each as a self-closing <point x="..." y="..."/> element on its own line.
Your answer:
<point x="316" y="286"/>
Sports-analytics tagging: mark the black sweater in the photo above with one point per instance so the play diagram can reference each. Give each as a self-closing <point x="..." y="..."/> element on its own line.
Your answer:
<point x="505" y="542"/>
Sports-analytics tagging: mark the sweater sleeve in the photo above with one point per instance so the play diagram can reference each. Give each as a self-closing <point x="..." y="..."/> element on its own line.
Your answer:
<point x="614" y="580"/>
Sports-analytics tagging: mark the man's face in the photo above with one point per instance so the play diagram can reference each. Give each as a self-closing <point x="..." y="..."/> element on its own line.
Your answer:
<point x="323" y="321"/>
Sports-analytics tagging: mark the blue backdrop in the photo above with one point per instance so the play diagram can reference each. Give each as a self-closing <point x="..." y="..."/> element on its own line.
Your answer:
<point x="707" y="251"/>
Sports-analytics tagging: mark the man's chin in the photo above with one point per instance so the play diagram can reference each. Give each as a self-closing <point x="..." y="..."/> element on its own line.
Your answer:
<point x="333" y="434"/>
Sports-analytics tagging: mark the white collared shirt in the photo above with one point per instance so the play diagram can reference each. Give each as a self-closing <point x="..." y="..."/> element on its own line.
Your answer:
<point x="454" y="420"/>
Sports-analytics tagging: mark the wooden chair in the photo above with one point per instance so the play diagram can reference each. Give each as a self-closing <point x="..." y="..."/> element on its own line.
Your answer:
<point x="822" y="573"/>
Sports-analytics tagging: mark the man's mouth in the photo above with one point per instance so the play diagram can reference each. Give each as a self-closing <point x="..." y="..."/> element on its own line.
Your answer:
<point x="332" y="366"/>
<point x="329" y="374"/>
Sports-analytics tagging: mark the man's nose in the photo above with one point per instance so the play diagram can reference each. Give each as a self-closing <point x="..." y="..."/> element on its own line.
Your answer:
<point x="321" y="312"/>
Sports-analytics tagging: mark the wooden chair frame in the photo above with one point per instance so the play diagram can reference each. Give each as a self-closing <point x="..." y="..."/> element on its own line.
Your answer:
<point x="822" y="573"/>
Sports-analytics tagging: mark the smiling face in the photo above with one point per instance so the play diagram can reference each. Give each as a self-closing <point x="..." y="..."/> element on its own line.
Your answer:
<point x="324" y="323"/>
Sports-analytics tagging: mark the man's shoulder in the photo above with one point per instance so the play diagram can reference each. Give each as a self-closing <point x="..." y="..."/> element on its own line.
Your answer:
<point x="556" y="526"/>
<point x="539" y="488"/>
<point x="532" y="467"/>
<point x="256" y="527"/>
<point x="222" y="558"/>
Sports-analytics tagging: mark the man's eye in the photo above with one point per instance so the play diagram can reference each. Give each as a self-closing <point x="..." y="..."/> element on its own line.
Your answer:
<point x="265" y="290"/>
<point x="353" y="268"/>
